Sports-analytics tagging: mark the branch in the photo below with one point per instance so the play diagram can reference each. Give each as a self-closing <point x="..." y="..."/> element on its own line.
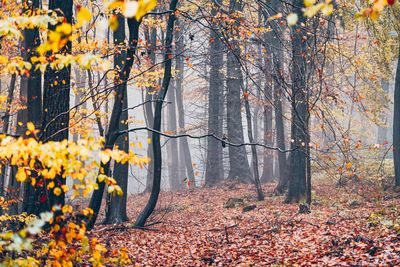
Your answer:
<point x="222" y="139"/>
<point x="145" y="102"/>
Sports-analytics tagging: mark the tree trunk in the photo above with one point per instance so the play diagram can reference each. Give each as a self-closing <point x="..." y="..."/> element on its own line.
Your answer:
<point x="185" y="158"/>
<point x="299" y="129"/>
<point x="116" y="205"/>
<point x="31" y="91"/>
<point x="113" y="128"/>
<point x="268" y="166"/>
<point x="260" y="193"/>
<point x="56" y="98"/>
<point x="396" y="124"/>
<point x="238" y="163"/>
<point x="276" y="46"/>
<point x="13" y="186"/>
<point x="151" y="38"/>
<point x="382" y="130"/>
<point x="215" y="98"/>
<point x="157" y="162"/>
<point x="173" y="155"/>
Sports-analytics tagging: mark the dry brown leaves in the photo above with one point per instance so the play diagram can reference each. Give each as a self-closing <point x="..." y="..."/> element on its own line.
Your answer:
<point x="196" y="230"/>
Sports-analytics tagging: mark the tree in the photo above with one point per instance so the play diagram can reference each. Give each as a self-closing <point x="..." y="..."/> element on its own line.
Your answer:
<point x="157" y="162"/>
<point x="151" y="38"/>
<point x="214" y="167"/>
<point x="31" y="96"/>
<point x="116" y="205"/>
<point x="396" y="124"/>
<point x="56" y="98"/>
<point x="238" y="163"/>
<point x="299" y="128"/>
<point x="185" y="159"/>
<point x="113" y="128"/>
<point x="172" y="146"/>
<point x="275" y="40"/>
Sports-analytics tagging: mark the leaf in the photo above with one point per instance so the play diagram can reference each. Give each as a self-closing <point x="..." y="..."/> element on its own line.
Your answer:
<point x="348" y="165"/>
<point x="327" y="10"/>
<point x="308" y="3"/>
<point x="292" y="19"/>
<point x="83" y="15"/>
<point x="31" y="127"/>
<point x="110" y="189"/>
<point x="275" y="17"/>
<point x="113" y="22"/>
<point x="21" y="175"/>
<point x="130" y="9"/>
<point x="57" y="191"/>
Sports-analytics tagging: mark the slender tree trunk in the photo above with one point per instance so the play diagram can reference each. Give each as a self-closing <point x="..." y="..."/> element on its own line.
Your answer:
<point x="299" y="129"/>
<point x="268" y="166"/>
<point x="116" y="205"/>
<point x="172" y="161"/>
<point x="148" y="209"/>
<point x="260" y="194"/>
<point x="185" y="159"/>
<point x="396" y="124"/>
<point x="275" y="40"/>
<point x="151" y="37"/>
<point x="113" y="128"/>
<point x="13" y="186"/>
<point x="238" y="163"/>
<point x="382" y="131"/>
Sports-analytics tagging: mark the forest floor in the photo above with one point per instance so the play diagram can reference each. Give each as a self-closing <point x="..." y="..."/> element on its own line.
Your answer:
<point x="193" y="228"/>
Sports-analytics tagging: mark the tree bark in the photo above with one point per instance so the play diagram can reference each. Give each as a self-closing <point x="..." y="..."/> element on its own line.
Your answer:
<point x="56" y="98"/>
<point x="382" y="130"/>
<point x="31" y="92"/>
<point x="396" y="124"/>
<point x="113" y="128"/>
<point x="13" y="186"/>
<point x="215" y="98"/>
<point x="260" y="193"/>
<point x="185" y="158"/>
<point x="172" y="162"/>
<point x="151" y="37"/>
<point x="275" y="40"/>
<point x="299" y="128"/>
<point x="238" y="163"/>
<point x="116" y="205"/>
<point x="157" y="162"/>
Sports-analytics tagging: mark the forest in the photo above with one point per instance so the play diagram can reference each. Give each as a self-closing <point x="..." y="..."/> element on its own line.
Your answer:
<point x="209" y="133"/>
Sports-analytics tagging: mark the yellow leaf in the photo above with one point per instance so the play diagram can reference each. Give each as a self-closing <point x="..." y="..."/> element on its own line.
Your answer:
<point x="21" y="175"/>
<point x="138" y="8"/>
<point x="102" y="178"/>
<point x="57" y="191"/>
<point x="348" y="165"/>
<point x="292" y="19"/>
<point x="110" y="189"/>
<point x="64" y="28"/>
<point x="113" y="22"/>
<point x="67" y="209"/>
<point x="327" y="10"/>
<point x="50" y="185"/>
<point x="104" y="157"/>
<point x="31" y="127"/>
<point x="309" y="3"/>
<point x="84" y="15"/>
<point x="130" y="8"/>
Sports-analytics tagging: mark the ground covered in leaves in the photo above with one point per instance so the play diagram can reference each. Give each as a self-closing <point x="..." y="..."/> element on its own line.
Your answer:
<point x="226" y="226"/>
